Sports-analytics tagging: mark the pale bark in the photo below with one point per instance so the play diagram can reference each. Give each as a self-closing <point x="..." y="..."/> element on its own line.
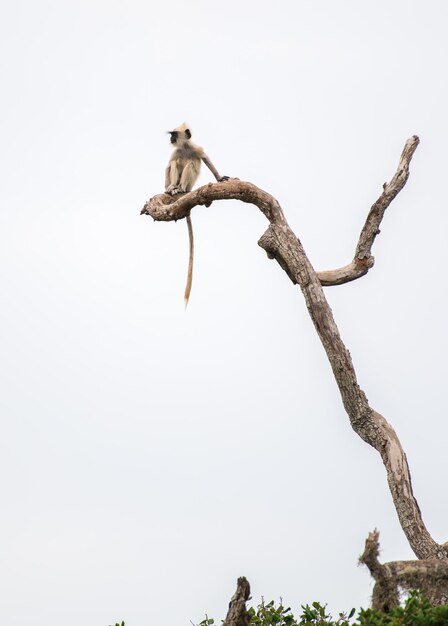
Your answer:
<point x="363" y="259"/>
<point x="282" y="244"/>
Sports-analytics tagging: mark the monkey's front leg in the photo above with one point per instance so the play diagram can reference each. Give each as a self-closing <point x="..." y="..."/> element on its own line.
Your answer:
<point x="213" y="169"/>
<point x="167" y="176"/>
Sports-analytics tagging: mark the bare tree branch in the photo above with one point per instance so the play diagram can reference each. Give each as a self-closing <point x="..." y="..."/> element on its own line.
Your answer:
<point x="363" y="260"/>
<point x="237" y="615"/>
<point x="281" y="243"/>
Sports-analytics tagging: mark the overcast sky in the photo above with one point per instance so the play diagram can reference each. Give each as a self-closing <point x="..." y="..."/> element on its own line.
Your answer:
<point x="149" y="455"/>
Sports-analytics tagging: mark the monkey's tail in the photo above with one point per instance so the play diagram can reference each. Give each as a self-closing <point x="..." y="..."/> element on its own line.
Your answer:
<point x="190" y="262"/>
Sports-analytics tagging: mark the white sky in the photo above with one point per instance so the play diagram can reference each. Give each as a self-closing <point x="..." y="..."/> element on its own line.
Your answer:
<point x="150" y="456"/>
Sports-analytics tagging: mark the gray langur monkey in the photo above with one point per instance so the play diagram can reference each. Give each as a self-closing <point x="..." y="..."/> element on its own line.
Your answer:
<point x="180" y="176"/>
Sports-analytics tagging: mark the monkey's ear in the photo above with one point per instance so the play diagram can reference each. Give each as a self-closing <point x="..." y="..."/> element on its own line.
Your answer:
<point x="188" y="133"/>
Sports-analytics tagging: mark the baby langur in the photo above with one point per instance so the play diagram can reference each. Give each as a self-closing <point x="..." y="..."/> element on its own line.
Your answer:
<point x="180" y="176"/>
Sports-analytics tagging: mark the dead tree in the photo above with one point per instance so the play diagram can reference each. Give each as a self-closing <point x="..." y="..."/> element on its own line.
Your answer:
<point x="430" y="572"/>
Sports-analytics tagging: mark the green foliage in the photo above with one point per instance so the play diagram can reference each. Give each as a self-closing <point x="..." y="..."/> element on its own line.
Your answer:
<point x="314" y="615"/>
<point x="417" y="611"/>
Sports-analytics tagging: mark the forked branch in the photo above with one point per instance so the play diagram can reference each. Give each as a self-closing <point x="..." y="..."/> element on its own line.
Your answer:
<point x="281" y="243"/>
<point x="363" y="259"/>
<point x="430" y="576"/>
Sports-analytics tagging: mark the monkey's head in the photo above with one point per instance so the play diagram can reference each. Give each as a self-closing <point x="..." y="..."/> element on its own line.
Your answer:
<point x="181" y="134"/>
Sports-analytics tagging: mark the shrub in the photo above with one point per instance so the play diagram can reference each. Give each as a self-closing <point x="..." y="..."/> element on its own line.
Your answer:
<point x="417" y="611"/>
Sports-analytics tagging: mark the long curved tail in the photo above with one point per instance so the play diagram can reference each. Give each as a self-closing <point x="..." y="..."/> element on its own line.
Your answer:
<point x="190" y="262"/>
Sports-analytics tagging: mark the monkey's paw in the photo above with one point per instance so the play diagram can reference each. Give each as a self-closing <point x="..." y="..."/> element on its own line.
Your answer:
<point x="173" y="190"/>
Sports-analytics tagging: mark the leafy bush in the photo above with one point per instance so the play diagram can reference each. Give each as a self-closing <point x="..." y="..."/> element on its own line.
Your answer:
<point x="416" y="611"/>
<point x="314" y="615"/>
<point x="271" y="615"/>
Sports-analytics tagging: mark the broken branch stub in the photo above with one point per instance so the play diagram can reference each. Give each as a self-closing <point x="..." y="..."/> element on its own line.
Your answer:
<point x="238" y="615"/>
<point x="430" y="576"/>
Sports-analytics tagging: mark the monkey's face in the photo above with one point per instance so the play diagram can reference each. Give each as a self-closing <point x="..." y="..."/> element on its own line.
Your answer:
<point x="180" y="135"/>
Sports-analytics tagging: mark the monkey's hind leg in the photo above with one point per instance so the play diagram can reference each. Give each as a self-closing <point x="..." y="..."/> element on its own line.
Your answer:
<point x="189" y="176"/>
<point x="172" y="178"/>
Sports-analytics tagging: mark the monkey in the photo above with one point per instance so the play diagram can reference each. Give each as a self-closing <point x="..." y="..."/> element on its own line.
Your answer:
<point x="181" y="174"/>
